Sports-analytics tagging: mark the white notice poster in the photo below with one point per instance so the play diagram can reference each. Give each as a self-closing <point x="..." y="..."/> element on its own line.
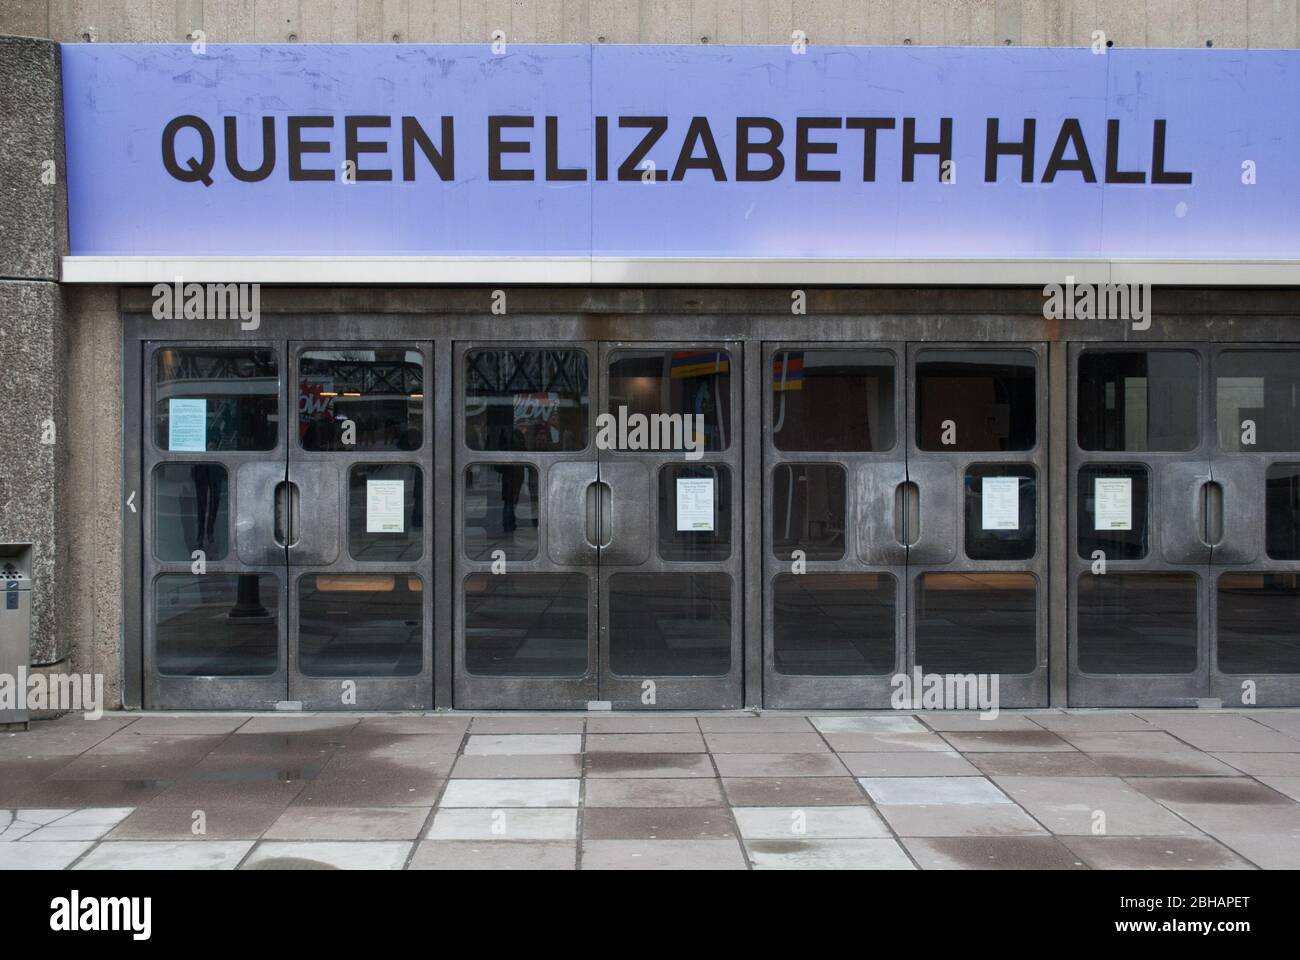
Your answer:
<point x="1113" y="503"/>
<point x="385" y="506"/>
<point x="187" y="424"/>
<point x="695" y="503"/>
<point x="1000" y="501"/>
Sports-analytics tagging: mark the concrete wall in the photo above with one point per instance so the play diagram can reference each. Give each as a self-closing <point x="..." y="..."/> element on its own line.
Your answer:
<point x="1129" y="23"/>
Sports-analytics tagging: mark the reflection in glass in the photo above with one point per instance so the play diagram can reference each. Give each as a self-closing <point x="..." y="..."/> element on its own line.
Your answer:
<point x="808" y="510"/>
<point x="526" y="625"/>
<point x="501" y="510"/>
<point x="191" y="511"/>
<point x="217" y="625"/>
<point x="385" y="512"/>
<point x="977" y="623"/>
<point x="1138" y="400"/>
<point x="1282" y="511"/>
<point x="676" y="382"/>
<point x="1137" y="623"/>
<point x="374" y="398"/>
<point x="998" y="529"/>
<point x="1259" y="623"/>
<point x="215" y="398"/>
<point x="700" y="531"/>
<point x="1262" y="386"/>
<point x="669" y="624"/>
<point x="834" y="625"/>
<point x="976" y="400"/>
<point x="833" y="400"/>
<point x="526" y="400"/>
<point x="360" y="626"/>
<point x="1116" y="542"/>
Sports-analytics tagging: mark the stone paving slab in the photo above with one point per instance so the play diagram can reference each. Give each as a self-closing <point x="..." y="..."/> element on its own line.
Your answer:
<point x="1041" y="789"/>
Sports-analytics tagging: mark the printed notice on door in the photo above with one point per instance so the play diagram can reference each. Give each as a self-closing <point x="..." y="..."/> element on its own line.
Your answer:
<point x="1000" y="499"/>
<point x="1113" y="503"/>
<point x="187" y="424"/>
<point x="694" y="504"/>
<point x="385" y="503"/>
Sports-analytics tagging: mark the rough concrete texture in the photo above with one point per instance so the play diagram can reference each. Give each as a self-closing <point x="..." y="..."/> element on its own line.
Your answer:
<point x="1129" y="23"/>
<point x="34" y="449"/>
<point x="33" y="202"/>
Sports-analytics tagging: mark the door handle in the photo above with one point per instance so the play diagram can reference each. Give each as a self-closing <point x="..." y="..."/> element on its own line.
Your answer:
<point x="1211" y="509"/>
<point x="294" y="533"/>
<point x="600" y="527"/>
<point x="280" y="530"/>
<point x="907" y="513"/>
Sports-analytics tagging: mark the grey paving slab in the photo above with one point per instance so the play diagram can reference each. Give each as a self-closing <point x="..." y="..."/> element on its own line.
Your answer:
<point x="94" y="767"/>
<point x="1270" y="850"/>
<point x="878" y="854"/>
<point x="541" y="765"/>
<point x="1284" y="721"/>
<point x="887" y="742"/>
<point x="501" y="855"/>
<point x="779" y="765"/>
<point x="41" y="856"/>
<point x="1263" y="764"/>
<point x="401" y="748"/>
<point x="404" y="789"/>
<point x="511" y="793"/>
<point x="645" y="743"/>
<point x="82" y="793"/>
<point x="1287" y="786"/>
<point x="600" y="854"/>
<point x="1162" y="765"/>
<point x="1059" y="764"/>
<point x="639" y="724"/>
<point x="90" y="823"/>
<point x="164" y="747"/>
<point x="1127" y="741"/>
<point x="30" y="769"/>
<point x="1231" y="732"/>
<point x="794" y="791"/>
<point x="51" y="740"/>
<point x="348" y="823"/>
<point x="810" y="742"/>
<point x="811" y="823"/>
<point x="921" y="763"/>
<point x="653" y="765"/>
<point x="1088" y="721"/>
<point x="193" y="792"/>
<point x="653" y="793"/>
<point x="932" y="790"/>
<point x="992" y="853"/>
<point x="165" y="855"/>
<point x="534" y="725"/>
<point x="970" y="721"/>
<point x="369" y="765"/>
<point x="242" y="822"/>
<point x="768" y="723"/>
<point x="664" y="823"/>
<point x="298" y="725"/>
<point x="872" y="725"/>
<point x="154" y="725"/>
<point x="1219" y="805"/>
<point x="328" y="855"/>
<point x="959" y="820"/>
<point x="427" y="725"/>
<point x="502" y="824"/>
<point x="250" y="769"/>
<point x="1155" y="853"/>
<point x="520" y="744"/>
<point x="1088" y="806"/>
<point x="1008" y="741"/>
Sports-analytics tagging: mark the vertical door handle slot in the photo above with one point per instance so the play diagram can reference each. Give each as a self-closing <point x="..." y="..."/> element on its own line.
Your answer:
<point x="907" y="513"/>
<point x="280" y="531"/>
<point x="598" y="514"/>
<point x="294" y="532"/>
<point x="1212" y="513"/>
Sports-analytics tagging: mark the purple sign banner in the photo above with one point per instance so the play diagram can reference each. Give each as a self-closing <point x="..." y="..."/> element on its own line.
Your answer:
<point x="679" y="155"/>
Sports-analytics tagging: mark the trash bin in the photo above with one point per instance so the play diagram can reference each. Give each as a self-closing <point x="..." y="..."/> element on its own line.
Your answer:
<point x="15" y="629"/>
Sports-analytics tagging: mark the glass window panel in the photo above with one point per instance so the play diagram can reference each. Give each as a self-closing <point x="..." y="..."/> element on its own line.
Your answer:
<point x="1282" y="511"/>
<point x="977" y="399"/>
<point x="834" y="625"/>
<point x="833" y="400"/>
<point x="669" y="624"/>
<point x="191" y="511"/>
<point x="808" y="510"/>
<point x="215" y="398"/>
<point x="1259" y="623"/>
<point x="1003" y="525"/>
<point x="385" y="512"/>
<point x="501" y="510"/>
<point x="526" y="625"/>
<point x="701" y="530"/>
<point x="526" y="400"/>
<point x="1139" y="400"/>
<point x="367" y="625"/>
<point x="380" y="393"/>
<point x="977" y="623"/>
<point x="1136" y="623"/>
<point x="217" y="624"/>
<point x="687" y="384"/>
<point x="1116" y="542"/>
<point x="1262" y="386"/>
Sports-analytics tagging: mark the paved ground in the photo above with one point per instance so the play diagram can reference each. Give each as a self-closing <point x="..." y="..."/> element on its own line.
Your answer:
<point x="1169" y="789"/>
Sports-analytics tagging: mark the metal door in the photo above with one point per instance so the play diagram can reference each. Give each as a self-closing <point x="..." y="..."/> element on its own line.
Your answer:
<point x="1140" y="475"/>
<point x="358" y="501"/>
<point x="526" y="516"/>
<point x="214" y="564"/>
<point x="1253" y="525"/>
<point x="834" y="551"/>
<point x="669" y="521"/>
